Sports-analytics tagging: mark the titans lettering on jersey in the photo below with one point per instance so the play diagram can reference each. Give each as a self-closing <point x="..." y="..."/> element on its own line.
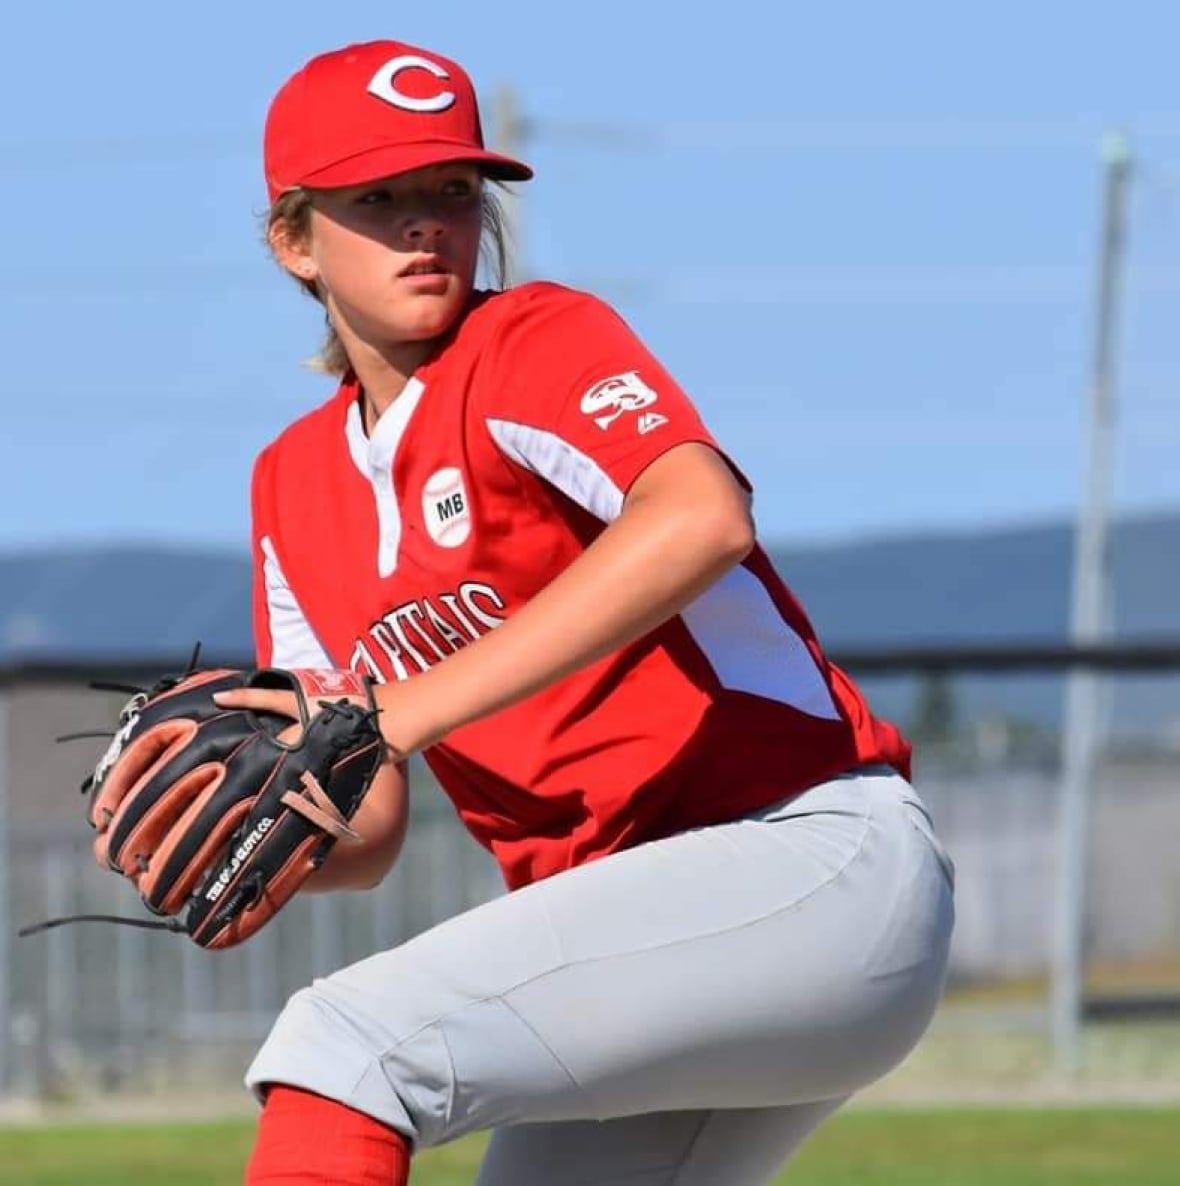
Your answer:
<point x="415" y="635"/>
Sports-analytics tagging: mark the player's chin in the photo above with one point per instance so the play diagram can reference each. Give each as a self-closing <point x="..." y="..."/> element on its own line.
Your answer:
<point x="427" y="316"/>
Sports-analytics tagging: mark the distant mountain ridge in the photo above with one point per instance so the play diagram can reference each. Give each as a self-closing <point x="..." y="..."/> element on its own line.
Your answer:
<point x="107" y="602"/>
<point x="1000" y="584"/>
<point x="987" y="585"/>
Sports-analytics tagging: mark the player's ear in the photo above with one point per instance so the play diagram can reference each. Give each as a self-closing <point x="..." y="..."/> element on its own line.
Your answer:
<point x="292" y="248"/>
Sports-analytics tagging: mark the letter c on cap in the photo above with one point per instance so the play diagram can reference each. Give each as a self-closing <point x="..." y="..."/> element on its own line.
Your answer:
<point x="383" y="84"/>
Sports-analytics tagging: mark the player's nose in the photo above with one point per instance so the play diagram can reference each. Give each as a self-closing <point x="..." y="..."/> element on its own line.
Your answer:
<point x="423" y="224"/>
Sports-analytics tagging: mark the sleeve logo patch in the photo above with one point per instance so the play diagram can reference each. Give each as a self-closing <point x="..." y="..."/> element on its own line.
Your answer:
<point x="619" y="394"/>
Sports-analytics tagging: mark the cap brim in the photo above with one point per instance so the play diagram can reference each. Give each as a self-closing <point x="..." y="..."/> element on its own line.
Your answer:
<point x="393" y="159"/>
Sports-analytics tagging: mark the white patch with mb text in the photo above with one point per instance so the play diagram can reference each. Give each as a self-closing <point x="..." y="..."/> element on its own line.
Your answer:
<point x="446" y="509"/>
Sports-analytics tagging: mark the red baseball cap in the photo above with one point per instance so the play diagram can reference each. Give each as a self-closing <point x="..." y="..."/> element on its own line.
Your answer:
<point x="374" y="110"/>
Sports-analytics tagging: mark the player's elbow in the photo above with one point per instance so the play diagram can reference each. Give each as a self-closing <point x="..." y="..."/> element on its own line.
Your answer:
<point x="736" y="533"/>
<point x="370" y="873"/>
<point x="377" y="858"/>
<point x="723" y="529"/>
<point x="698" y="495"/>
<point x="357" y="867"/>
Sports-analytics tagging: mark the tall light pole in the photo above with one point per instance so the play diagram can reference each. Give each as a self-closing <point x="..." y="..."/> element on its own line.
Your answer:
<point x="1082" y="725"/>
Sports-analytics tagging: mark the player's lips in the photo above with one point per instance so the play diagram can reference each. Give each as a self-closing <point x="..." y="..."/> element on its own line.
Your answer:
<point x="425" y="265"/>
<point x="426" y="275"/>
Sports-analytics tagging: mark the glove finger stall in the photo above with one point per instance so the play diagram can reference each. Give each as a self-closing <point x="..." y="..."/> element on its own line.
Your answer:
<point x="188" y="700"/>
<point x="176" y="868"/>
<point x="210" y="824"/>
<point x="172" y="701"/>
<point x="141" y="757"/>
<point x="179" y="747"/>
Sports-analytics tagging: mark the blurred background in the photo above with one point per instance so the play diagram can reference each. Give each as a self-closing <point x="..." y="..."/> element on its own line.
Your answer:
<point x="918" y="264"/>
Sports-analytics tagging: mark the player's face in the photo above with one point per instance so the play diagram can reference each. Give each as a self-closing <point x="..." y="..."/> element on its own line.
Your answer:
<point x="398" y="257"/>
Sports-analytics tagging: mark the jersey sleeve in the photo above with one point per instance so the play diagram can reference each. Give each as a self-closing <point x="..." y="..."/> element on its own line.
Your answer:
<point x="576" y="397"/>
<point x="283" y="637"/>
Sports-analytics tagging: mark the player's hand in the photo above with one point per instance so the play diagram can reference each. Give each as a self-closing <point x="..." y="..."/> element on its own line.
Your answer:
<point x="277" y="702"/>
<point x="261" y="700"/>
<point x="273" y="702"/>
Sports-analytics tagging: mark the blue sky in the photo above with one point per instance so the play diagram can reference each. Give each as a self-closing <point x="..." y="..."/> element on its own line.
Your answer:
<point x="863" y="236"/>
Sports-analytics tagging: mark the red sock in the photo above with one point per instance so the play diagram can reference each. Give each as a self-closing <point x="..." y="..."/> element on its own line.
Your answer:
<point x="306" y="1140"/>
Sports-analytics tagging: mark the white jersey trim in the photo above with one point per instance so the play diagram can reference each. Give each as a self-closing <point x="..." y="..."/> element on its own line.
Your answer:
<point x="373" y="457"/>
<point x="752" y="648"/>
<point x="577" y="476"/>
<point x="293" y="643"/>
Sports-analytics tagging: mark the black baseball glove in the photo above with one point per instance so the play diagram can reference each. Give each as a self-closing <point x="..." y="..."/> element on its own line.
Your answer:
<point x="219" y="815"/>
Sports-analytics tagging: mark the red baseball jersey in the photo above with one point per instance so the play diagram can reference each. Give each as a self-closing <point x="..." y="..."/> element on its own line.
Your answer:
<point x="505" y="456"/>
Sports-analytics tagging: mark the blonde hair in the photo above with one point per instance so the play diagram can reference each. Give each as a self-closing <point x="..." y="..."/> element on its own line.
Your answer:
<point x="293" y="209"/>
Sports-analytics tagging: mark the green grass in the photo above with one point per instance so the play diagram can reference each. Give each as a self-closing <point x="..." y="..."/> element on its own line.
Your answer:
<point x="861" y="1147"/>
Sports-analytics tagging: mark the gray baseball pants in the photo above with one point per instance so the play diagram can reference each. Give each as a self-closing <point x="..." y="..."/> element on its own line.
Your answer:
<point x="680" y="1014"/>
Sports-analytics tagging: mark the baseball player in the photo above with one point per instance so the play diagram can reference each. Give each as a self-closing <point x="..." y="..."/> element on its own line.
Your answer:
<point x="728" y="910"/>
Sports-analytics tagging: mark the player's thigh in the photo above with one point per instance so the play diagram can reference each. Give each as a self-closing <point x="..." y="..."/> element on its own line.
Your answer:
<point x="770" y="962"/>
<point x="742" y="1147"/>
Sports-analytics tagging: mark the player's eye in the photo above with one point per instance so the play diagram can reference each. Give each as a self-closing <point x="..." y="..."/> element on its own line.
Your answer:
<point x="458" y="190"/>
<point x="374" y="197"/>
